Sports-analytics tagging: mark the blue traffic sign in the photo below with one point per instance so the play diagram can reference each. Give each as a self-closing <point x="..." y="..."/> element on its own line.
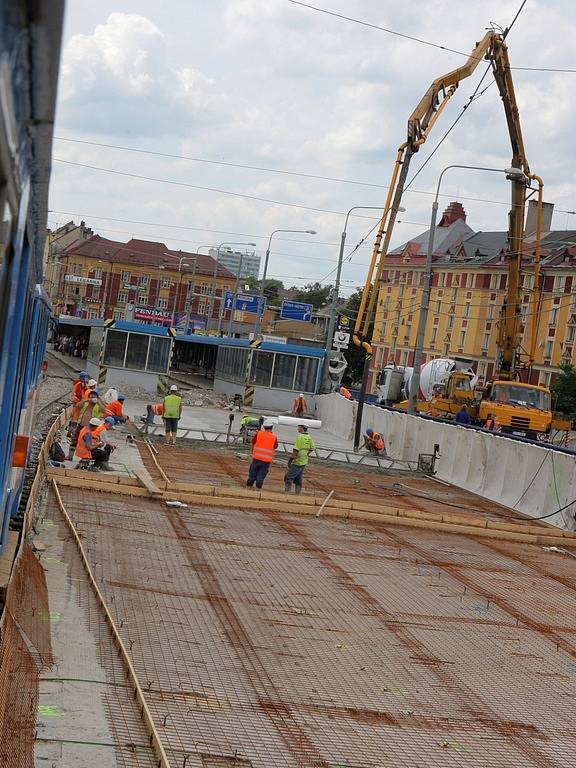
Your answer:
<point x="245" y="302"/>
<point x="296" y="310"/>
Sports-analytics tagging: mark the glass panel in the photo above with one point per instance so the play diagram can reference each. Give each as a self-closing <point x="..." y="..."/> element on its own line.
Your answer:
<point x="137" y="349"/>
<point x="261" y="370"/>
<point x="306" y="374"/>
<point x="159" y="354"/>
<point x="283" y="375"/>
<point x="115" y="348"/>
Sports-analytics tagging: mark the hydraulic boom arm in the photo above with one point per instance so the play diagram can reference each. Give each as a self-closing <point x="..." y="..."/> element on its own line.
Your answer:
<point x="493" y="48"/>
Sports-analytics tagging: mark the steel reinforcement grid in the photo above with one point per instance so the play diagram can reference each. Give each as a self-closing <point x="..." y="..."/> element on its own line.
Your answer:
<point x="268" y="639"/>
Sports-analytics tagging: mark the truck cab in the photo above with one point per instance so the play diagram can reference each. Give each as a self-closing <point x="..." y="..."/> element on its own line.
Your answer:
<point x="521" y="409"/>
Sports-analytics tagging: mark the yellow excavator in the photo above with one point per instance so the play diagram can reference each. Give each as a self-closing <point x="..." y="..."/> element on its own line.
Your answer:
<point x="520" y="408"/>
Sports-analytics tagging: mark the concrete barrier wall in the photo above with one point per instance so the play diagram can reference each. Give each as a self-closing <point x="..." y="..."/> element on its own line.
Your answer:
<point x="531" y="479"/>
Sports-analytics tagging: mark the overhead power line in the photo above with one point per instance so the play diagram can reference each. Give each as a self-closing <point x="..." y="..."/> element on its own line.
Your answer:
<point x="419" y="40"/>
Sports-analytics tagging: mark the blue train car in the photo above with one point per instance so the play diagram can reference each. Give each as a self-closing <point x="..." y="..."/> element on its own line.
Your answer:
<point x="30" y="38"/>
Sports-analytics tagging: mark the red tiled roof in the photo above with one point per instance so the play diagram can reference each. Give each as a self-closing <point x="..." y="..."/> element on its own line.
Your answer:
<point x="143" y="253"/>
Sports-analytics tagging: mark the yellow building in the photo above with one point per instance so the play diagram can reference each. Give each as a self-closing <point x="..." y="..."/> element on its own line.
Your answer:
<point x="139" y="280"/>
<point x="468" y="288"/>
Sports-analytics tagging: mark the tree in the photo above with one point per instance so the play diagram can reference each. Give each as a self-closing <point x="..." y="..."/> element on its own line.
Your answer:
<point x="355" y="356"/>
<point x="313" y="293"/>
<point x="272" y="288"/>
<point x="564" y="390"/>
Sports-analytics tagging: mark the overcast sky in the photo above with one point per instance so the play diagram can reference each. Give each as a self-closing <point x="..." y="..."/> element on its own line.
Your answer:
<point x="271" y="84"/>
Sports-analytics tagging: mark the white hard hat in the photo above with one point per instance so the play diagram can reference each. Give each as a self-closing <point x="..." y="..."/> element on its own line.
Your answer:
<point x="300" y="395"/>
<point x="92" y="383"/>
<point x="268" y="423"/>
<point x="173" y="388"/>
<point x="95" y="422"/>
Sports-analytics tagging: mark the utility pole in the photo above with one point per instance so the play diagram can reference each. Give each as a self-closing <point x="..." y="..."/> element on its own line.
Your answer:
<point x="190" y="296"/>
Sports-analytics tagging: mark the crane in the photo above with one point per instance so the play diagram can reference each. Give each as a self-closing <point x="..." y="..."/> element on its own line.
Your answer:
<point x="492" y="48"/>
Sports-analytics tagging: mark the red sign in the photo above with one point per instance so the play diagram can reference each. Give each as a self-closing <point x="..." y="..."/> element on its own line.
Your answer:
<point x="158" y="315"/>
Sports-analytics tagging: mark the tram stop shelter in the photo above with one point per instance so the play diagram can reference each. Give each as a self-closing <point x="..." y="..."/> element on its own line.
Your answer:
<point x="125" y="354"/>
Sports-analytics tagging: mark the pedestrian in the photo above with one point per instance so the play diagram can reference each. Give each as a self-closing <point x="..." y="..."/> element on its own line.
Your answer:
<point x="297" y="463"/>
<point x="91" y="446"/>
<point x="300" y="407"/>
<point x="463" y="417"/>
<point x="373" y="441"/>
<point x="172" y="414"/>
<point x="264" y="444"/>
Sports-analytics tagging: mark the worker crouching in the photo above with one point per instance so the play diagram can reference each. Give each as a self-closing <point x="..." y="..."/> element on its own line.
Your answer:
<point x="297" y="463"/>
<point x="92" y="446"/>
<point x="373" y="441"/>
<point x="264" y="445"/>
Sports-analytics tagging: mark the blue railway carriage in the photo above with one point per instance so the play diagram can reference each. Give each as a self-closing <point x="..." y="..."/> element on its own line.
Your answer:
<point x="30" y="37"/>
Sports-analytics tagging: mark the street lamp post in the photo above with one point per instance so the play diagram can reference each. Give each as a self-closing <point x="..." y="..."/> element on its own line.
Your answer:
<point x="425" y="302"/>
<point x="326" y="380"/>
<point x="233" y="307"/>
<point x="260" y="308"/>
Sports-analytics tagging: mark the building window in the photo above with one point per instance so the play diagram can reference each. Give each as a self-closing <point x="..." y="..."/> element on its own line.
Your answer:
<point x="454" y="293"/>
<point x="115" y="347"/>
<point x="447" y="349"/>
<point x="490" y="314"/>
<point x="442" y="279"/>
<point x="450" y="324"/>
<point x="126" y="276"/>
<point x="98" y="273"/>
<point x="159" y="354"/>
<point x="553" y="317"/>
<point x="122" y="297"/>
<point x="93" y="314"/>
<point x="204" y="289"/>
<point x="284" y="367"/>
<point x="548" y="350"/>
<point x="261" y="370"/>
<point x="165" y="283"/>
<point x="467" y="309"/>
<point x="201" y="307"/>
<point x="462" y="338"/>
<point x="136" y="351"/>
<point x="306" y="370"/>
<point x="545" y="378"/>
<point x="144" y="279"/>
<point x="142" y="300"/>
<point x="494" y="282"/>
<point x="571" y="333"/>
<point x="559" y="283"/>
<point x="486" y="341"/>
<point x="162" y="303"/>
<point x="523" y="313"/>
<point x="438" y="307"/>
<point x="118" y="314"/>
<point x="433" y="337"/>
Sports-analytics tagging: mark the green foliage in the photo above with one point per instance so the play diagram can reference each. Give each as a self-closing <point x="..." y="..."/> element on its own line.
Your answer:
<point x="564" y="390"/>
<point x="315" y="294"/>
<point x="271" y="289"/>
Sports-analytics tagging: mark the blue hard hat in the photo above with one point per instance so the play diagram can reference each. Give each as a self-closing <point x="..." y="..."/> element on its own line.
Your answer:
<point x="369" y="431"/>
<point x="95" y="392"/>
<point x="110" y="420"/>
<point x="83" y="375"/>
<point x="121" y="396"/>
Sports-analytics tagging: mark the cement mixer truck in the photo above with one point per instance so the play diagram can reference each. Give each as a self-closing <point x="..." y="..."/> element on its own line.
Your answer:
<point x="437" y="378"/>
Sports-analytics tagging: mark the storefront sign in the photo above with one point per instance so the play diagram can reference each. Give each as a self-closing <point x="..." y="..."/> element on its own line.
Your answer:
<point x="158" y="315"/>
<point x="82" y="280"/>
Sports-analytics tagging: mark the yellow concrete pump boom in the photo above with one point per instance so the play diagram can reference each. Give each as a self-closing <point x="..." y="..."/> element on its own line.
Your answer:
<point x="493" y="48"/>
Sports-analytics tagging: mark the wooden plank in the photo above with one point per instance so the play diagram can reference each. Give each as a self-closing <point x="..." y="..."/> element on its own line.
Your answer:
<point x="147" y="482"/>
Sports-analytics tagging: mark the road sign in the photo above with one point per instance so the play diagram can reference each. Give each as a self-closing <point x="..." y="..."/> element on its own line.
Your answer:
<point x="82" y="280"/>
<point x="296" y="310"/>
<point x="344" y="323"/>
<point x="245" y="302"/>
<point x="341" y="340"/>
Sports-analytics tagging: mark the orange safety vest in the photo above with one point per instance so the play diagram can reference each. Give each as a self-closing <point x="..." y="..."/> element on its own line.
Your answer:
<point x="346" y="393"/>
<point x="113" y="409"/>
<point x="157" y="409"/>
<point x="81" y="447"/>
<point x="87" y="393"/>
<point x="265" y="446"/>
<point x="377" y="440"/>
<point x="100" y="429"/>
<point x="299" y="405"/>
<point x="77" y="391"/>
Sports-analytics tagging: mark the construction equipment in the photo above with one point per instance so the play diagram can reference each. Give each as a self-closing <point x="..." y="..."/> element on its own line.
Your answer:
<point x="520" y="408"/>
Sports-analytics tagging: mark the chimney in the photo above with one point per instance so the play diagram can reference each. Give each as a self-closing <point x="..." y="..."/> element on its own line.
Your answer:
<point x="547" y="211"/>
<point x="454" y="212"/>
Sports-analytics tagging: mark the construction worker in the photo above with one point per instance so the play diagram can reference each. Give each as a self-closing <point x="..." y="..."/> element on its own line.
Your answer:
<point x="297" y="463"/>
<point x="344" y="392"/>
<point x="492" y="423"/>
<point x="463" y="417"/>
<point x="90" y="446"/>
<point x="299" y="408"/>
<point x="172" y="413"/>
<point x="264" y="444"/>
<point x="79" y="387"/>
<point x="373" y="441"/>
<point x="154" y="409"/>
<point x="114" y="409"/>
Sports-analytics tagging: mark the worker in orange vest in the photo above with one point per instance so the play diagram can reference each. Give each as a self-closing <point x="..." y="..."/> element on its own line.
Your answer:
<point x="90" y="387"/>
<point x="344" y="392"/>
<point x="91" y="446"/>
<point x="79" y="387"/>
<point x="114" y="409"/>
<point x="373" y="441"/>
<point x="264" y="444"/>
<point x="492" y="423"/>
<point x="299" y="408"/>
